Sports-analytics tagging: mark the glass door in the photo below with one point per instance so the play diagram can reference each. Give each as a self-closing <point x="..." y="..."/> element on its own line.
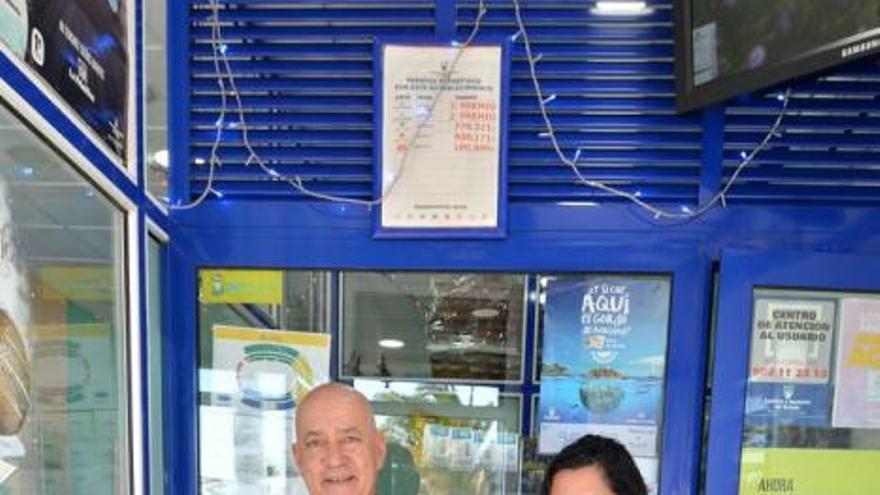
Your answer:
<point x="796" y="384"/>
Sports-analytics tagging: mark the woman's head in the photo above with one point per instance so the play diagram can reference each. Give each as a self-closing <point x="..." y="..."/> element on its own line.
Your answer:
<point x="593" y="465"/>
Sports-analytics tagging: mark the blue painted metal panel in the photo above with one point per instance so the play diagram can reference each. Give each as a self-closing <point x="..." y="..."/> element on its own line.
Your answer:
<point x="741" y="272"/>
<point x="305" y="71"/>
<point x="179" y="75"/>
<point x="227" y="235"/>
<point x="181" y="431"/>
<point x="311" y="66"/>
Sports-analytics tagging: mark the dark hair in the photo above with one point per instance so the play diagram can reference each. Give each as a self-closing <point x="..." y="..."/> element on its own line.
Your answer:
<point x="611" y="457"/>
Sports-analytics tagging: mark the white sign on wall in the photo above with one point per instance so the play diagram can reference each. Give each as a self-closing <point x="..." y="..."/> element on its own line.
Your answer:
<point x="441" y="137"/>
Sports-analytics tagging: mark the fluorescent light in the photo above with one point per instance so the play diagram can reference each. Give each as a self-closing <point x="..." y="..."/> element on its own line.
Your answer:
<point x="484" y="313"/>
<point x="620" y="7"/>
<point x="391" y="343"/>
<point x="161" y="158"/>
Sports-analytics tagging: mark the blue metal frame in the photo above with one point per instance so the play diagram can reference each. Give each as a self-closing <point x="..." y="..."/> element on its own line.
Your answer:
<point x="24" y="85"/>
<point x="339" y="238"/>
<point x="741" y="272"/>
<point x="500" y="230"/>
<point x="177" y="39"/>
<point x="133" y="188"/>
<point x="181" y="405"/>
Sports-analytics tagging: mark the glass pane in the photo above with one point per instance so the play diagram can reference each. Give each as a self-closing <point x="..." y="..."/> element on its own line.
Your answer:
<point x="603" y="362"/>
<point x="154" y="334"/>
<point x="63" y="391"/>
<point x="433" y="325"/>
<point x="252" y="372"/>
<point x="534" y="465"/>
<point x="446" y="438"/>
<point x="813" y="394"/>
<point x="156" y="100"/>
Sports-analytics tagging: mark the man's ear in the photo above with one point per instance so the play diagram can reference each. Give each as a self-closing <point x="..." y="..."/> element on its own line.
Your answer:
<point x="381" y="449"/>
<point x="295" y="453"/>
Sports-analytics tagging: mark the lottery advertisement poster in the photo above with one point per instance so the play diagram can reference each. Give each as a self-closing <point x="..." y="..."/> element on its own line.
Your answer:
<point x="604" y="359"/>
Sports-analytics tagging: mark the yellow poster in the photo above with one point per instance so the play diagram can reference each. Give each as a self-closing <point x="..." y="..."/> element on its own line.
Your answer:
<point x="77" y="283"/>
<point x="241" y="286"/>
<point x="809" y="472"/>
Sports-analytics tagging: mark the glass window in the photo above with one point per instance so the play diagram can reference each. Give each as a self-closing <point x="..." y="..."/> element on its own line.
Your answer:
<point x="156" y="100"/>
<point x="446" y="438"/>
<point x="263" y="343"/>
<point x="534" y="465"/>
<point x="813" y="395"/>
<point x="464" y="326"/>
<point x="603" y="363"/>
<point x="63" y="393"/>
<point x="155" y="324"/>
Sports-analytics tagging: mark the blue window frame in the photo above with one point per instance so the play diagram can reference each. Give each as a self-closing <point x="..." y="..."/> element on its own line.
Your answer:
<point x="749" y="276"/>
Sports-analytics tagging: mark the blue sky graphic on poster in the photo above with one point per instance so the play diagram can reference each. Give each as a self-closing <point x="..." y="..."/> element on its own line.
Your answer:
<point x="603" y="359"/>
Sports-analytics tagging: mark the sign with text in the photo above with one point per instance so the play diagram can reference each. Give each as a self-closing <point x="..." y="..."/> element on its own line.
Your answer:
<point x="241" y="286"/>
<point x="791" y="341"/>
<point x="808" y="471"/>
<point x="604" y="361"/>
<point x="442" y="140"/>
<point x="81" y="49"/>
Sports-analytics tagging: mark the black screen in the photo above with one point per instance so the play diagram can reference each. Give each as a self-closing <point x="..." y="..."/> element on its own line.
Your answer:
<point x="727" y="47"/>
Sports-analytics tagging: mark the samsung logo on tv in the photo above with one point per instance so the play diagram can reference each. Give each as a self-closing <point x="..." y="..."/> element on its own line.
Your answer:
<point x="859" y="48"/>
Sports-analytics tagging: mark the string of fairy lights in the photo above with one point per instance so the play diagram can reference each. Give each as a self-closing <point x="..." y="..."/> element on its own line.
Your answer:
<point x="226" y="82"/>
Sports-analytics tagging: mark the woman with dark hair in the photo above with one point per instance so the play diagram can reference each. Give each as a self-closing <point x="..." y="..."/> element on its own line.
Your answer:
<point x="593" y="465"/>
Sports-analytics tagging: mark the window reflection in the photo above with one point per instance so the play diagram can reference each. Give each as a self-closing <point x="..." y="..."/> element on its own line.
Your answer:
<point x="62" y="334"/>
<point x="446" y="438"/>
<point x="155" y="324"/>
<point x="254" y="328"/>
<point x="156" y="100"/>
<point x="433" y="325"/>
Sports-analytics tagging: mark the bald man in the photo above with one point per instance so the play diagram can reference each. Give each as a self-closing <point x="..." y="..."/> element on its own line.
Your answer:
<point x="338" y="449"/>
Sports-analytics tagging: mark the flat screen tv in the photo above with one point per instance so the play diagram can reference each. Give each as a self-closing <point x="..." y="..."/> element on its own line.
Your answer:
<point x="730" y="47"/>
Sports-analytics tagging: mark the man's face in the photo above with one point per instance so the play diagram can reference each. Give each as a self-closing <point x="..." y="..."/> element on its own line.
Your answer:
<point x="338" y="450"/>
<point x="589" y="480"/>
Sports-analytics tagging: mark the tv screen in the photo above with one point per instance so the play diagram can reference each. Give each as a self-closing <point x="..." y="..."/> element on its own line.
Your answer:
<point x="730" y="47"/>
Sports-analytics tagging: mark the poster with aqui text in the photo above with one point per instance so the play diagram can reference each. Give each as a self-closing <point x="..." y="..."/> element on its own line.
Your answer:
<point x="604" y="362"/>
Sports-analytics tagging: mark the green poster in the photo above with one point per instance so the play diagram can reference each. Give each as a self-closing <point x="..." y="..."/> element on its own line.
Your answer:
<point x="809" y="472"/>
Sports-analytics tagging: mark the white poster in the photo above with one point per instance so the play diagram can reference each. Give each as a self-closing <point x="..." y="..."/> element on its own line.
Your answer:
<point x="791" y="341"/>
<point x="857" y="380"/>
<point x="256" y="380"/>
<point x="441" y="123"/>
